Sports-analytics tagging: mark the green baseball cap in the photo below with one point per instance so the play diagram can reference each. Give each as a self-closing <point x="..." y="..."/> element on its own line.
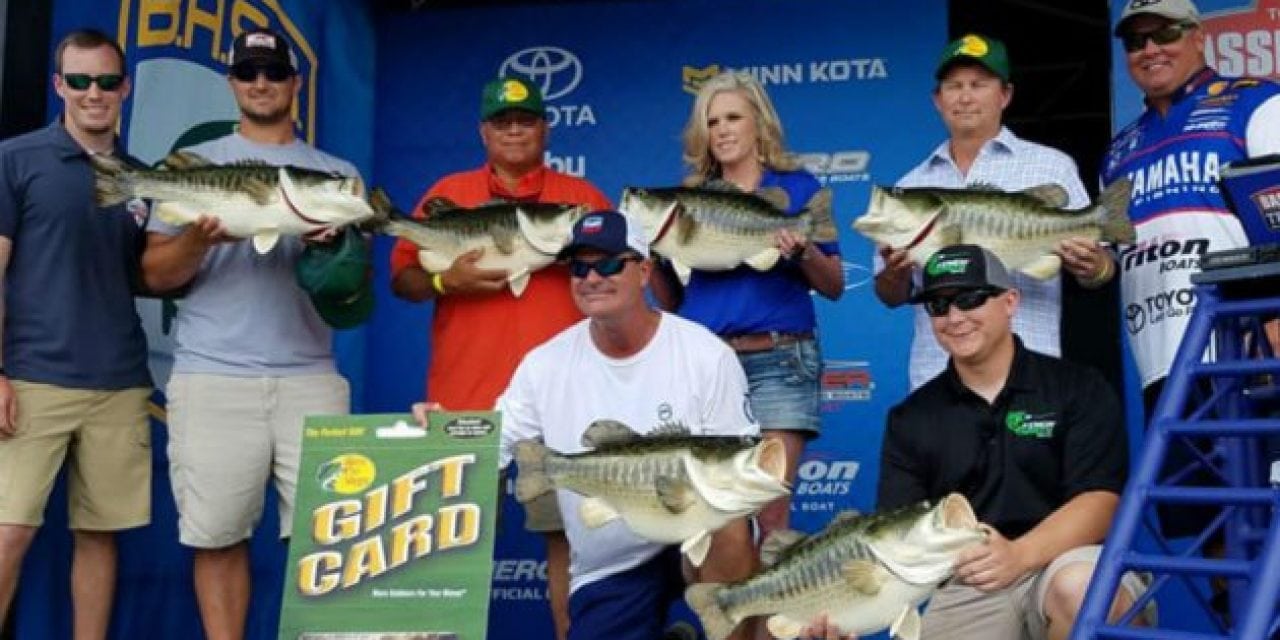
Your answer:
<point x="337" y="277"/>
<point x="511" y="92"/>
<point x="988" y="52"/>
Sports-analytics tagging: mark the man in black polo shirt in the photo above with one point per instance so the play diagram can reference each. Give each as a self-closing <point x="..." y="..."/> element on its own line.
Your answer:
<point x="1035" y="443"/>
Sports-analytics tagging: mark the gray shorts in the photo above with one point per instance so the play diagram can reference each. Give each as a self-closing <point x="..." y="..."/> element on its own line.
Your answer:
<point x="229" y="436"/>
<point x="961" y="612"/>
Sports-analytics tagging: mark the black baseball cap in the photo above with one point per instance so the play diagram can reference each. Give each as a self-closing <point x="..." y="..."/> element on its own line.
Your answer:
<point x="962" y="266"/>
<point x="262" y="47"/>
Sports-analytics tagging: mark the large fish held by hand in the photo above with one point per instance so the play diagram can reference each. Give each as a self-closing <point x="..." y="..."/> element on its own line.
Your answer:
<point x="1023" y="228"/>
<point x="667" y="486"/>
<point x="718" y="227"/>
<point x="518" y="237"/>
<point x="864" y="572"/>
<point x="251" y="199"/>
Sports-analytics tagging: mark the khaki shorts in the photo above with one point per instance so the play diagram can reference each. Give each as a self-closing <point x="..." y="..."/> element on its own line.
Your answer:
<point x="1015" y="613"/>
<point x="229" y="436"/>
<point x="105" y="438"/>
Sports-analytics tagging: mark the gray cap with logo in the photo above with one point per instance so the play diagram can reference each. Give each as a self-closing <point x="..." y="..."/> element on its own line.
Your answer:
<point x="961" y="266"/>
<point x="1175" y="10"/>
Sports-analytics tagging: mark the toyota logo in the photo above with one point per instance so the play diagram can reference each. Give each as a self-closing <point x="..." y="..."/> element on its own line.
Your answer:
<point x="557" y="71"/>
<point x="1135" y="317"/>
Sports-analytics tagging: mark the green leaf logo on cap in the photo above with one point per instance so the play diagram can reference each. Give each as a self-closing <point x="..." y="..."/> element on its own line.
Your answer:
<point x="942" y="265"/>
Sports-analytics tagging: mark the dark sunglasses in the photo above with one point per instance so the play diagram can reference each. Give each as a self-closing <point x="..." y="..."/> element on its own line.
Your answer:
<point x="1136" y="41"/>
<point x="250" y="72"/>
<point x="82" y="81"/>
<point x="965" y="301"/>
<point x="611" y="266"/>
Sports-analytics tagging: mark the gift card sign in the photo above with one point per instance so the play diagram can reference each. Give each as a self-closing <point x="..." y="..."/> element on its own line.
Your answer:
<point x="393" y="528"/>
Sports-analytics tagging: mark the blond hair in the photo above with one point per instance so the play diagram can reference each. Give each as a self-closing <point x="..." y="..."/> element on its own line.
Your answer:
<point x="697" y="151"/>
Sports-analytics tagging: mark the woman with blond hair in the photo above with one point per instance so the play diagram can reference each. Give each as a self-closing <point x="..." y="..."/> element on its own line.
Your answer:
<point x="734" y="140"/>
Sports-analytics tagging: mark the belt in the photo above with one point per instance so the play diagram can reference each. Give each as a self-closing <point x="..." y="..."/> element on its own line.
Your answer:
<point x="752" y="342"/>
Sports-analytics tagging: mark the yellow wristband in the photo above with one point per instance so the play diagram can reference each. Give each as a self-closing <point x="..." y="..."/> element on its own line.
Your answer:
<point x="437" y="283"/>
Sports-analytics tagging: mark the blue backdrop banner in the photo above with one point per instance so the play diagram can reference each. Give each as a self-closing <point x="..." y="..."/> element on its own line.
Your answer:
<point x="852" y="83"/>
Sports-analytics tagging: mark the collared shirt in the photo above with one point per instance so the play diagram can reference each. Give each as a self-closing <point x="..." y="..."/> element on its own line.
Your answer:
<point x="1055" y="431"/>
<point x="477" y="340"/>
<point x="69" y="315"/>
<point x="1009" y="163"/>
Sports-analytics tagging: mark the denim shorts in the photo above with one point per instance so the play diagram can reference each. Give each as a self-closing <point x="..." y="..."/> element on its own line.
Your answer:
<point x="784" y="386"/>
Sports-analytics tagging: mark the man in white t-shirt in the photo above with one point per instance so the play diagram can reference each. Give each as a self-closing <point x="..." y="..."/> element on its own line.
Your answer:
<point x="629" y="362"/>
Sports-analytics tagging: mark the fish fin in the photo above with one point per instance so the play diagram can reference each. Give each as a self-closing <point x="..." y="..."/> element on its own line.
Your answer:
<point x="1049" y="194"/>
<point x="383" y="211"/>
<point x="675" y="493"/>
<point x="605" y="432"/>
<point x="776" y="543"/>
<point x="697" y="547"/>
<point x="182" y="159"/>
<point x="777" y="197"/>
<point x="784" y="627"/>
<point x="504" y="239"/>
<point x="715" y="620"/>
<point x="266" y="240"/>
<point x="822" y="224"/>
<point x="436" y="205"/>
<point x="433" y="261"/>
<point x="907" y="626"/>
<point x="683" y="272"/>
<point x="531" y="462"/>
<point x="764" y="260"/>
<point x="1116" y="225"/>
<point x="1044" y="267"/>
<point x="983" y="186"/>
<point x="720" y="184"/>
<point x="518" y="281"/>
<point x="112" y="184"/>
<point x="596" y="513"/>
<point x="670" y="429"/>
<point x="861" y="576"/>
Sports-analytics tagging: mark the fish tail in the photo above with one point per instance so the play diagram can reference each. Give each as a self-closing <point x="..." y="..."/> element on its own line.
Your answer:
<point x="1115" y="223"/>
<point x="112" y="184"/>
<point x="533" y="481"/>
<point x="715" y="620"/>
<point x="383" y="211"/>
<point x="822" y="225"/>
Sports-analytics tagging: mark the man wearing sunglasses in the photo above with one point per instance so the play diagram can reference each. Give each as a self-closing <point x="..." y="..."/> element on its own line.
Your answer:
<point x="1037" y="445"/>
<point x="73" y="381"/>
<point x="479" y="330"/>
<point x="253" y="356"/>
<point x="1195" y="122"/>
<point x="628" y="362"/>
<point x="973" y="90"/>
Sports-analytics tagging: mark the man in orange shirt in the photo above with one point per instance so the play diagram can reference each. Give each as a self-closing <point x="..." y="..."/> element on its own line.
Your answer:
<point x="480" y="331"/>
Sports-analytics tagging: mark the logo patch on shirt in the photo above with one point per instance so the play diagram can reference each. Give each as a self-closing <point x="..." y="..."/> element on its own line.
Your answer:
<point x="137" y="208"/>
<point x="1030" y="425"/>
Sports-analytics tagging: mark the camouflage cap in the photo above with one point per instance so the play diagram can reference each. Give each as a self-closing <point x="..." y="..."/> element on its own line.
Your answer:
<point x="988" y="52"/>
<point x="511" y="92"/>
<point x="1174" y="10"/>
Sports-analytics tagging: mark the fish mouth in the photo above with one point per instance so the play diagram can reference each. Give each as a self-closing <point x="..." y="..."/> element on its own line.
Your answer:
<point x="955" y="512"/>
<point x="771" y="458"/>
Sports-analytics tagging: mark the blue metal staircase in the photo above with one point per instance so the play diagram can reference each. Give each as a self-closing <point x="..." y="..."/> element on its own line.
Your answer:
<point x="1239" y="416"/>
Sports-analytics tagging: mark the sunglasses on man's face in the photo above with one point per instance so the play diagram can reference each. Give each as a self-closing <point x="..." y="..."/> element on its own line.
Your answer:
<point x="250" y="72"/>
<point x="1168" y="34"/>
<point x="611" y="266"/>
<point x="937" y="306"/>
<point x="82" y="81"/>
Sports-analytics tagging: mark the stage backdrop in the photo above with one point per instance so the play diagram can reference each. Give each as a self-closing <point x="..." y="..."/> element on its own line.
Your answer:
<point x="176" y="53"/>
<point x="1243" y="38"/>
<point x="852" y="83"/>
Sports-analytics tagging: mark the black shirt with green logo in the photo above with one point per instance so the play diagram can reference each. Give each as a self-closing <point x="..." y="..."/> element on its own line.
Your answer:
<point x="1056" y="430"/>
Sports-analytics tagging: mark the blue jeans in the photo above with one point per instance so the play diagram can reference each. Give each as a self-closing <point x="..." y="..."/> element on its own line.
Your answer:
<point x="784" y="386"/>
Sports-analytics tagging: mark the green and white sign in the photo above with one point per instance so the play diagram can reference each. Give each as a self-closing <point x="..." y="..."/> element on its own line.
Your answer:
<point x="393" y="528"/>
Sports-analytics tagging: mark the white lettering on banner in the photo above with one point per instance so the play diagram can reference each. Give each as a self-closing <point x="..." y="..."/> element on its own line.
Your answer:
<point x="1183" y="168"/>
<point x="570" y="115"/>
<point x="837" y="166"/>
<point x="818" y="71"/>
<point x="572" y="165"/>
<point x="822" y="478"/>
<point x="1253" y="53"/>
<point x="523" y="569"/>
